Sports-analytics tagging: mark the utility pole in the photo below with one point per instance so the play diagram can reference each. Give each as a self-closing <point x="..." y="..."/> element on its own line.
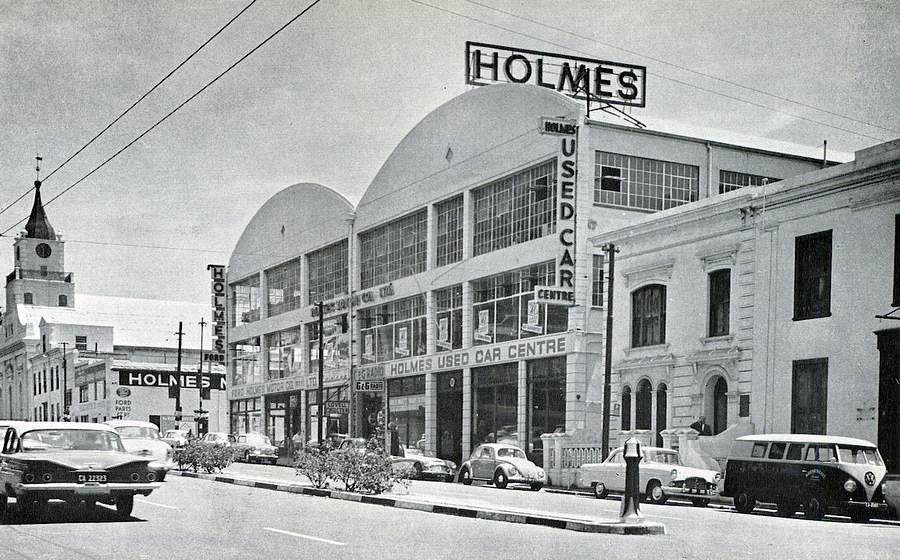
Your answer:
<point x="321" y="395"/>
<point x="65" y="385"/>
<point x="180" y="333"/>
<point x="611" y="251"/>
<point x="200" y="411"/>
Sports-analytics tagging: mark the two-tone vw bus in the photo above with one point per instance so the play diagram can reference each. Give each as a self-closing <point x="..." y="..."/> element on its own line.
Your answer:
<point x="809" y="472"/>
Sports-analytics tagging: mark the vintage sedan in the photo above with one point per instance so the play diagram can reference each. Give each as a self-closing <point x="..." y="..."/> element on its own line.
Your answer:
<point x="420" y="466"/>
<point x="501" y="464"/>
<point x="70" y="461"/>
<point x="142" y="438"/>
<point x="177" y="438"/>
<point x="255" y="448"/>
<point x="217" y="439"/>
<point x="662" y="475"/>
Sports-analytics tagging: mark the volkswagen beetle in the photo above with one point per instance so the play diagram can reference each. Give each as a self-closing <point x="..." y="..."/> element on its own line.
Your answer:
<point x="501" y="464"/>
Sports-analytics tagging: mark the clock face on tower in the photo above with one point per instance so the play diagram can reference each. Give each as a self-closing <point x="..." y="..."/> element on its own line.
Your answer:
<point x="43" y="250"/>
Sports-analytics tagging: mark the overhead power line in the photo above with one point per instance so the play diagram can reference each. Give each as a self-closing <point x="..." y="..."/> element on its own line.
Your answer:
<point x="173" y="111"/>
<point x="133" y="105"/>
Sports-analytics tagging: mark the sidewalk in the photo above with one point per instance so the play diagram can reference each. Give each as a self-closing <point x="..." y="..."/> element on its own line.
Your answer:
<point x="286" y="482"/>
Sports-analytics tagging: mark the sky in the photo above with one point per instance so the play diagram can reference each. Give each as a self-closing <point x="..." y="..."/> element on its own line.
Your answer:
<point x="329" y="97"/>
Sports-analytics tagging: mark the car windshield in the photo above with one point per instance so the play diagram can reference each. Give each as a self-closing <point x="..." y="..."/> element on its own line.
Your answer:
<point x="258" y="439"/>
<point x="88" y="440"/>
<point x="664" y="457"/>
<point x="138" y="432"/>
<point x="859" y="455"/>
<point x="175" y="434"/>
<point x="510" y="453"/>
<point x="216" y="437"/>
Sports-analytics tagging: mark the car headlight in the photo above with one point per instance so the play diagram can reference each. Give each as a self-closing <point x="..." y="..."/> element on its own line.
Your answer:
<point x="452" y="465"/>
<point x="717" y="477"/>
<point x="674" y="474"/>
<point x="540" y="473"/>
<point x="513" y="471"/>
<point x="850" y="486"/>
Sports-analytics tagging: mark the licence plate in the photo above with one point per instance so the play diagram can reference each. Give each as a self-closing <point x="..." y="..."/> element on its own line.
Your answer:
<point x="872" y="505"/>
<point x="92" y="478"/>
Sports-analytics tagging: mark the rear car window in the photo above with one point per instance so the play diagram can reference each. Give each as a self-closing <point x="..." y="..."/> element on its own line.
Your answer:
<point x="759" y="450"/>
<point x="820" y="452"/>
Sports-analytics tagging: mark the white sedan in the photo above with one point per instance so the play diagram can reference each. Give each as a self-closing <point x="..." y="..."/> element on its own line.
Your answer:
<point x="142" y="438"/>
<point x="662" y="475"/>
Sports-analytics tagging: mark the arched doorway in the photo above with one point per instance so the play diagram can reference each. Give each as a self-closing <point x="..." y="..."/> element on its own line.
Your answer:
<point x="643" y="406"/>
<point x="661" y="407"/>
<point x="626" y="408"/>
<point x="719" y="405"/>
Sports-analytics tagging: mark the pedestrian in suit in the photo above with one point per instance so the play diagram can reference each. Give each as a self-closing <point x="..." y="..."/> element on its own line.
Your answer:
<point x="702" y="427"/>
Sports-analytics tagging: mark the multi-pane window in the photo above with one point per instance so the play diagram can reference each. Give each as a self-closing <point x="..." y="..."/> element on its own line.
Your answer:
<point x="284" y="284"/>
<point x="335" y="344"/>
<point x="812" y="276"/>
<point x="648" y="316"/>
<point x="284" y="353"/>
<point x="448" y="245"/>
<point x="515" y="209"/>
<point x="719" y="302"/>
<point x="597" y="281"/>
<point x="246" y="362"/>
<point x="448" y="316"/>
<point x="733" y="180"/>
<point x="407" y="386"/>
<point x="83" y="393"/>
<point x="245" y="301"/>
<point x="645" y="184"/>
<point x="81" y="343"/>
<point x="504" y="307"/>
<point x="327" y="272"/>
<point x="394" y="250"/>
<point x="393" y="330"/>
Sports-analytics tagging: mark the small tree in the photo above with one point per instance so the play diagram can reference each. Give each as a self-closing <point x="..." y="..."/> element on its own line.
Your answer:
<point x="316" y="462"/>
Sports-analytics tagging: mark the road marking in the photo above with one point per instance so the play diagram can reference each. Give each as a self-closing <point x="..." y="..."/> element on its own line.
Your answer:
<point x="155" y="504"/>
<point x="304" y="536"/>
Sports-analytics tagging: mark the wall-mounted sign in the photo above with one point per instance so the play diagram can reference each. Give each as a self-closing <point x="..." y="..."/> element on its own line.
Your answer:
<point x="610" y="82"/>
<point x="563" y="293"/>
<point x="340" y="304"/>
<point x="138" y="378"/>
<point x="369" y="373"/>
<point x="370" y="386"/>
<point x="217" y="285"/>
<point x="337" y="407"/>
<point x="123" y="392"/>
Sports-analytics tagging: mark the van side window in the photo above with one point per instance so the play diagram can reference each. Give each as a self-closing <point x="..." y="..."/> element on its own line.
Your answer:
<point x="776" y="451"/>
<point x="759" y="450"/>
<point x="823" y="453"/>
<point x="795" y="452"/>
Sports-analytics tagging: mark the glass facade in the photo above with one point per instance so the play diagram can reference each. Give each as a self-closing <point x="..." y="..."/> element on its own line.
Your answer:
<point x="327" y="272"/>
<point x="407" y="409"/>
<point x="285" y="353"/>
<point x="246" y="362"/>
<point x="546" y="403"/>
<point x="448" y="318"/>
<point x="503" y="308"/>
<point x="644" y="184"/>
<point x="495" y="397"/>
<point x="335" y="344"/>
<point x="284" y="287"/>
<point x="245" y="301"/>
<point x="515" y="209"/>
<point x="247" y="416"/>
<point x="393" y="330"/>
<point x="448" y="246"/>
<point x="394" y="250"/>
<point x="733" y="180"/>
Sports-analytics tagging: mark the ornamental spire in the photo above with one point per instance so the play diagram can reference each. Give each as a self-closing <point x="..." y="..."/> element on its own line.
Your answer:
<point x="38" y="226"/>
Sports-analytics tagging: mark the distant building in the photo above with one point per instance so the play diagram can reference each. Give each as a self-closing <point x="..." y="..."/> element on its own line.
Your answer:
<point x="94" y="358"/>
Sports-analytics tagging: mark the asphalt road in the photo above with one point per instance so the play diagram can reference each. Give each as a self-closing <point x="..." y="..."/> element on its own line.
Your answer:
<point x="197" y="519"/>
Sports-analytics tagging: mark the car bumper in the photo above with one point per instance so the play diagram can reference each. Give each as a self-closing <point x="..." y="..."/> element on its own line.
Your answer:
<point x="874" y="507"/>
<point x="437" y="473"/>
<point x="64" y="490"/>
<point x="262" y="456"/>
<point x="523" y="479"/>
<point x="689" y="492"/>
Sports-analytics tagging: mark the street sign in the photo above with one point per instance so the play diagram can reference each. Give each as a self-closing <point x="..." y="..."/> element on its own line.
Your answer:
<point x="337" y="407"/>
<point x="370" y="386"/>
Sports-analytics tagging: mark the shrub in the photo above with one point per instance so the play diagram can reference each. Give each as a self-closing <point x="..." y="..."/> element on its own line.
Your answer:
<point x="316" y="462"/>
<point x="187" y="456"/>
<point x="209" y="458"/>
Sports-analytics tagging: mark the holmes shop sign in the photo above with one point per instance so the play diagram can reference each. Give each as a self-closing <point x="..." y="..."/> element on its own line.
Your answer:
<point x="615" y="83"/>
<point x="564" y="291"/>
<point x="132" y="378"/>
<point x="217" y="285"/>
<point x="479" y="356"/>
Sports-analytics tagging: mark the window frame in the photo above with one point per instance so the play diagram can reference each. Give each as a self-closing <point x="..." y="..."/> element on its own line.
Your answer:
<point x="718" y="308"/>
<point x="807" y="258"/>
<point x="642" y="316"/>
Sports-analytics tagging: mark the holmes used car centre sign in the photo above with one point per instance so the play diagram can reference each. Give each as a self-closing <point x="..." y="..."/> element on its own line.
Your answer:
<point x="615" y="83"/>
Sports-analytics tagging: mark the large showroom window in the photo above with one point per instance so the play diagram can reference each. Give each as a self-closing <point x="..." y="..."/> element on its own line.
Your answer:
<point x="335" y="344"/>
<point x="247" y="362"/>
<point x="546" y="402"/>
<point x="495" y="391"/>
<point x="245" y="301"/>
<point x="449" y="236"/>
<point x="408" y="408"/>
<point x="503" y="307"/>
<point x="394" y="250"/>
<point x="448" y="309"/>
<point x="393" y="330"/>
<point x="515" y="209"/>
<point x="284" y="286"/>
<point x="284" y="353"/>
<point x="246" y="416"/>
<point x="645" y="184"/>
<point x="327" y="272"/>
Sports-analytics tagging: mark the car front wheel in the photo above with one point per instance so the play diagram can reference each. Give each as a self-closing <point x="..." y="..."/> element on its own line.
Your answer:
<point x="744" y="502"/>
<point x="500" y="479"/>
<point x="655" y="493"/>
<point x="536" y="486"/>
<point x="465" y="477"/>
<point x="124" y="505"/>
<point x="599" y="490"/>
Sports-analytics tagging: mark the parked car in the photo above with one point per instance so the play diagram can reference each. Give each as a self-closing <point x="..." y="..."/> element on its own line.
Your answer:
<point x="221" y="439"/>
<point x="501" y="464"/>
<point x="70" y="461"/>
<point x="814" y="473"/>
<point x="142" y="438"/>
<point x="177" y="438"/>
<point x="255" y="448"/>
<point x="662" y="475"/>
<point x="421" y="466"/>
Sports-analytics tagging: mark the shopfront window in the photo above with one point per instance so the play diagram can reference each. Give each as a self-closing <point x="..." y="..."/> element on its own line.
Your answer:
<point x="546" y="402"/>
<point x="407" y="407"/>
<point x="393" y="330"/>
<point x="448" y="316"/>
<point x="284" y="287"/>
<point x="394" y="250"/>
<point x="495" y="404"/>
<point x="503" y="307"/>
<point x="336" y="408"/>
<point x="327" y="272"/>
<point x="285" y="353"/>
<point x="245" y="299"/>
<point x="246" y="416"/>
<point x="247" y="362"/>
<point x="335" y="344"/>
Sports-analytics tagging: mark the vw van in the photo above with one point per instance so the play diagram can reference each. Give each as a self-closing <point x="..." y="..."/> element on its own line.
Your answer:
<point x="815" y="473"/>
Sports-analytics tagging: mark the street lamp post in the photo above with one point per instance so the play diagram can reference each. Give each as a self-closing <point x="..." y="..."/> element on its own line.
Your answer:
<point x="200" y="411"/>
<point x="320" y="395"/>
<point x="65" y="384"/>
<point x="611" y="250"/>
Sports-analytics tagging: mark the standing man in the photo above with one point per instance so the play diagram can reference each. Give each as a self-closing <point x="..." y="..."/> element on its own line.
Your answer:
<point x="702" y="427"/>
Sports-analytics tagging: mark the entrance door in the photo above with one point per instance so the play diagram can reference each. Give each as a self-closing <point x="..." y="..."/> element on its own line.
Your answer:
<point x="720" y="406"/>
<point x="660" y="412"/>
<point x="889" y="399"/>
<point x="809" y="398"/>
<point x="449" y="416"/>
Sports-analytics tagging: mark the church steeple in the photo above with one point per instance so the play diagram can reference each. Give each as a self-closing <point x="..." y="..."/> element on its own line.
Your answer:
<point x="38" y="226"/>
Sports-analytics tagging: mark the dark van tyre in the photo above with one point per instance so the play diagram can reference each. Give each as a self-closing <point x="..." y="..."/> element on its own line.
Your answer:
<point x="465" y="477"/>
<point x="500" y="479"/>
<point x="124" y="505"/>
<point x="815" y="507"/>
<point x="744" y="502"/>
